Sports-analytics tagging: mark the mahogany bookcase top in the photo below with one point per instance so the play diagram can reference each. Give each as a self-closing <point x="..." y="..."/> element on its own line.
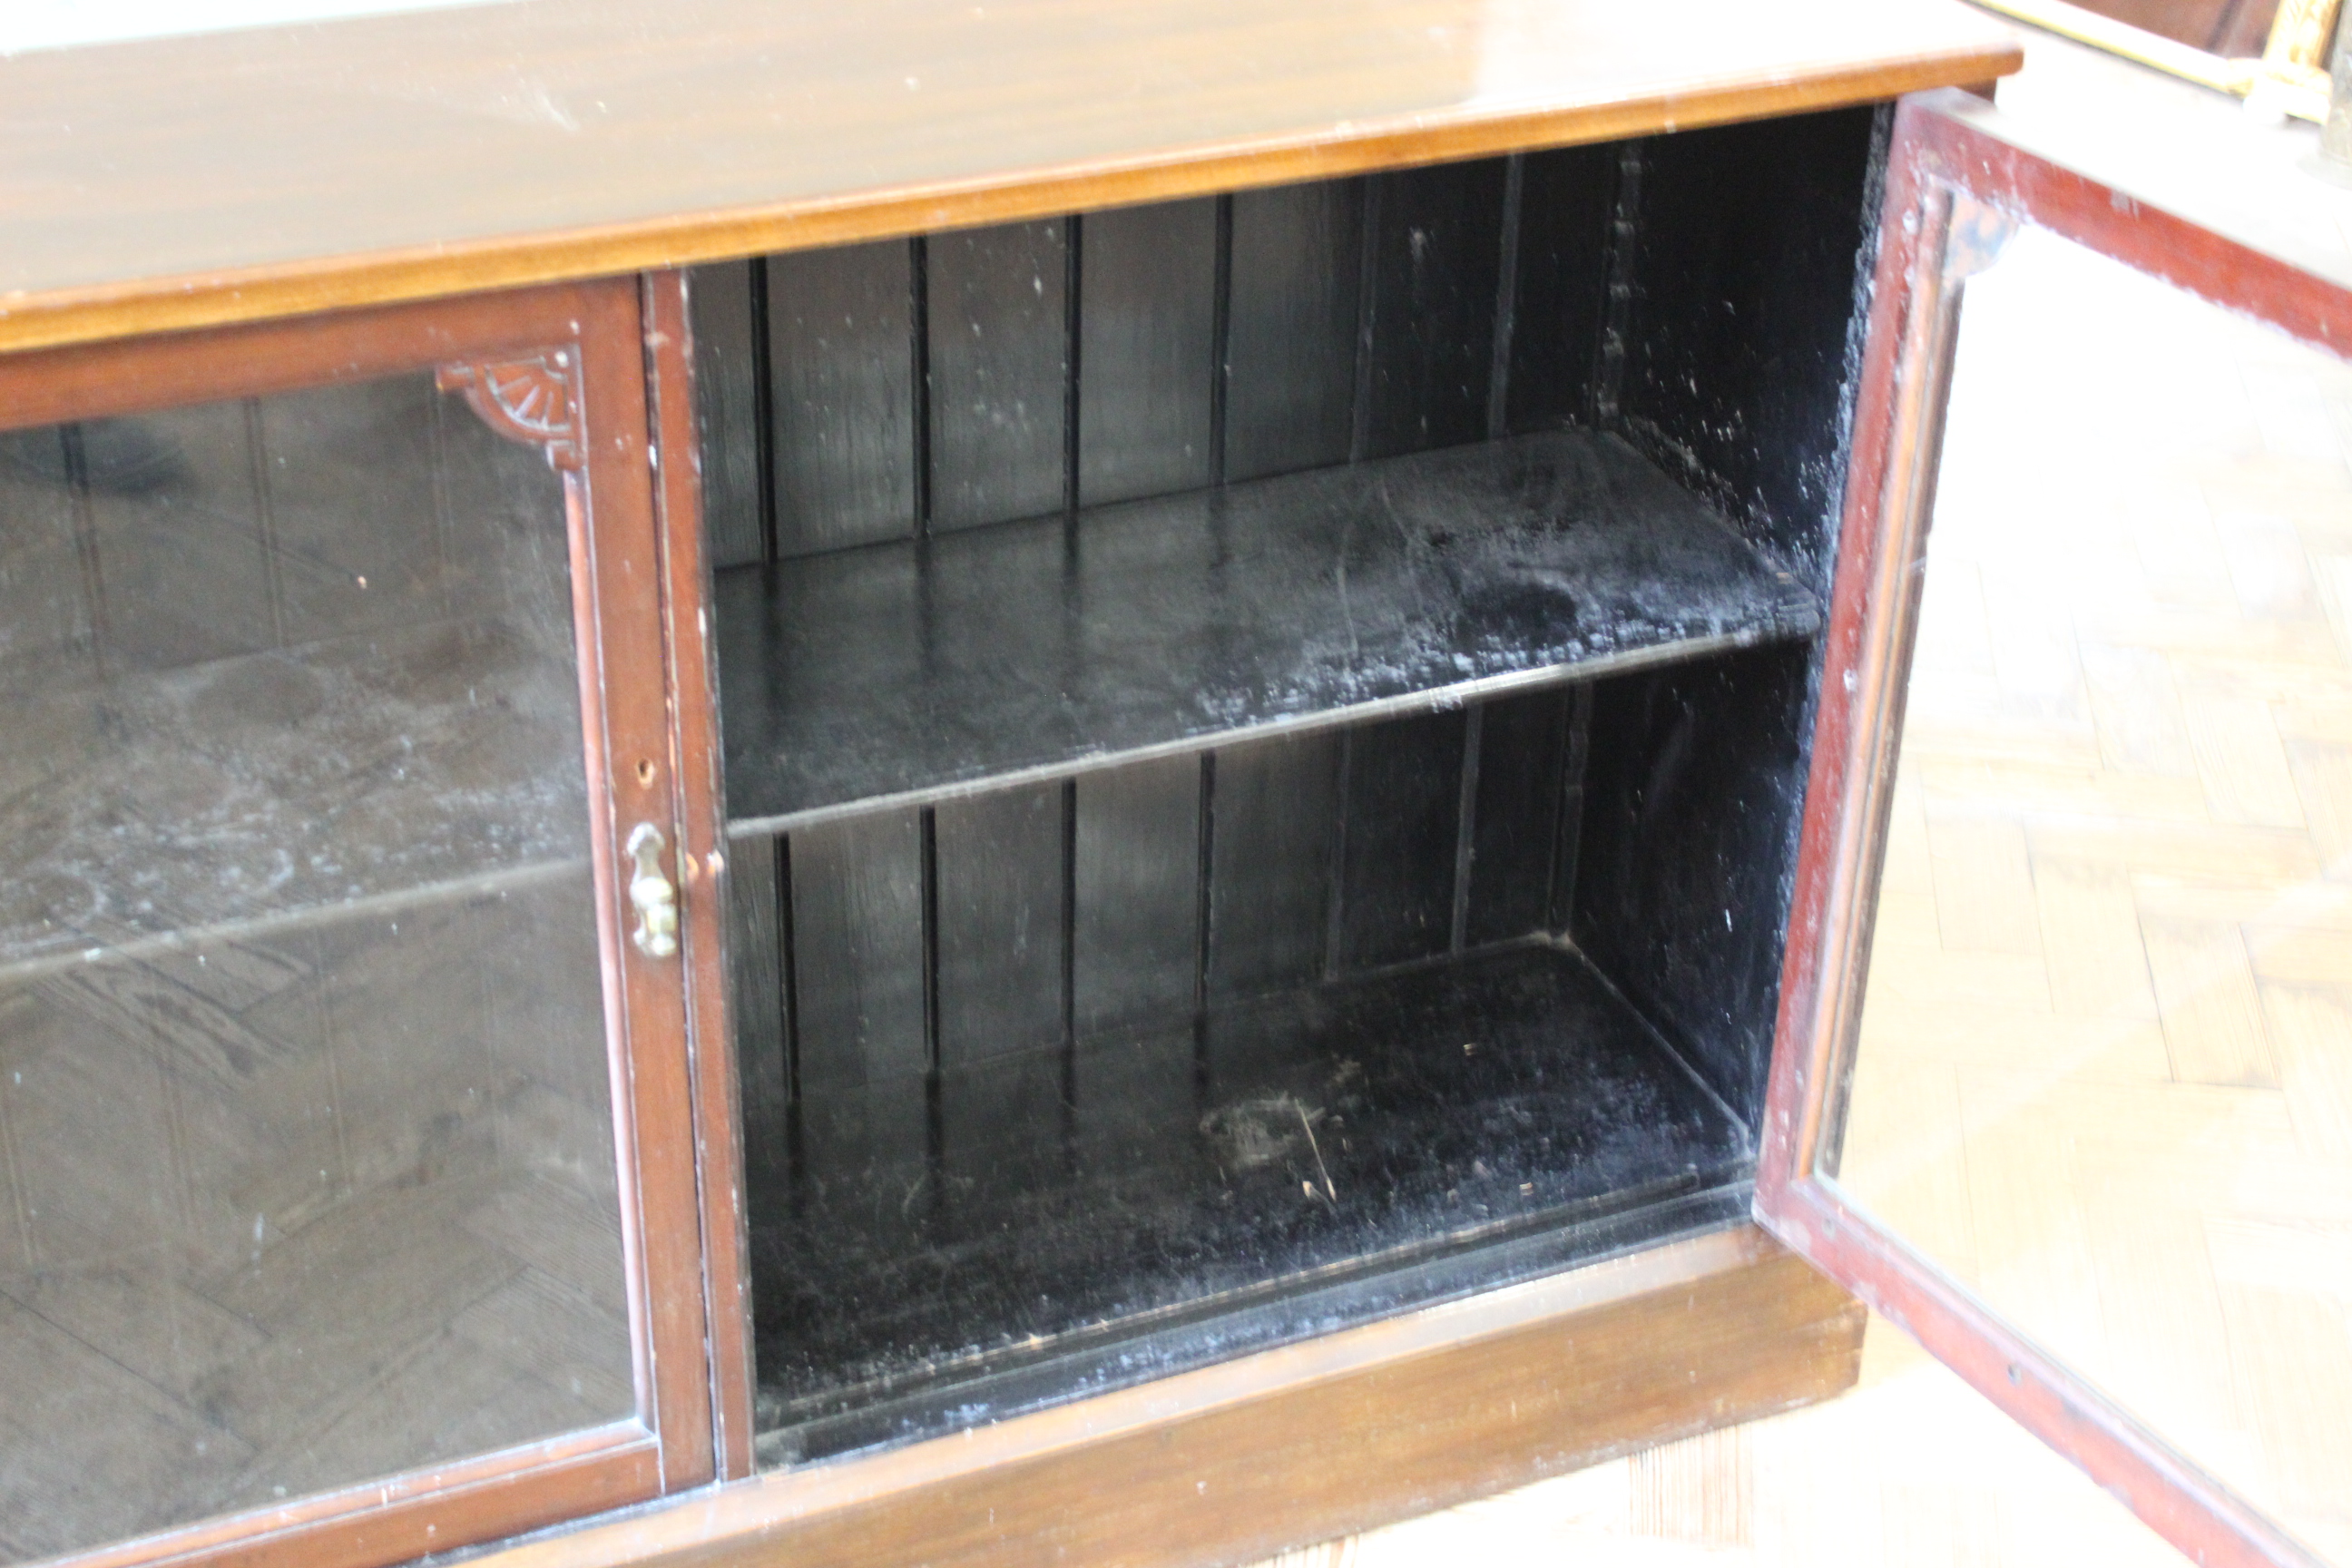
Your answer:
<point x="180" y="182"/>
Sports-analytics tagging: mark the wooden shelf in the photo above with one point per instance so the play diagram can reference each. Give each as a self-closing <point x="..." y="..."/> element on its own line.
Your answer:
<point x="911" y="671"/>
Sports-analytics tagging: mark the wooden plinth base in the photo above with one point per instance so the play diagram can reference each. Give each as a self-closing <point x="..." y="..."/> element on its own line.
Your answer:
<point x="1300" y="1444"/>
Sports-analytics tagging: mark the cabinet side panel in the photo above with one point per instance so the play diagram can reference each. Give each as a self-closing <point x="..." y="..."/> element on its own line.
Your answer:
<point x="1270" y="862"/>
<point x="1436" y="260"/>
<point x="1402" y="838"/>
<point x="727" y="397"/>
<point x="1518" y="792"/>
<point x="1750" y="245"/>
<point x="1000" y="914"/>
<point x="857" y="951"/>
<point x="1147" y="332"/>
<point x="1137" y="878"/>
<point x="1694" y="785"/>
<point x="997" y="300"/>
<point x="1291" y="351"/>
<point x="1564" y="213"/>
<point x="841" y="362"/>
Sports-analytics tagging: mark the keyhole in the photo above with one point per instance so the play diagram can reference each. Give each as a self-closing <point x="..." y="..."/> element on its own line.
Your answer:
<point x="645" y="772"/>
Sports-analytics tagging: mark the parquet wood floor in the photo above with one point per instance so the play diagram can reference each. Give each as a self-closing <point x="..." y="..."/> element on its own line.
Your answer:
<point x="190" y="1323"/>
<point x="2106" y="1071"/>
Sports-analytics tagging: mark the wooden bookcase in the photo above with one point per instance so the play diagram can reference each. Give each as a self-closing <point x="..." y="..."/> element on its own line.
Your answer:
<point x="1028" y="783"/>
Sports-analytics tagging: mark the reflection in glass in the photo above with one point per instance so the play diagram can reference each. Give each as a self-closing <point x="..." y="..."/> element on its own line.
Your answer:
<point x="2105" y="1076"/>
<point x="306" y="1151"/>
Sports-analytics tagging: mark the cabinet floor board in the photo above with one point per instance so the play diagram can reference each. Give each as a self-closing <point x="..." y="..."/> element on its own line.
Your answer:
<point x="1094" y="1226"/>
<point x="918" y="671"/>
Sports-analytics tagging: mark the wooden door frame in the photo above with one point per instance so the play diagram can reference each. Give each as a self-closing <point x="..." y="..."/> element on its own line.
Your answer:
<point x="1946" y="159"/>
<point x="564" y="367"/>
<point x="702" y="837"/>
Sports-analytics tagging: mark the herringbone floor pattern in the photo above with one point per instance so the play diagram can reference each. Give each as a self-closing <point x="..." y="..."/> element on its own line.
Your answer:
<point x="2107" y="1051"/>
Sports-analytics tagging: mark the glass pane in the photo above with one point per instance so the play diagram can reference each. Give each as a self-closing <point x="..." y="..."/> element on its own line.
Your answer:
<point x="2106" y="1068"/>
<point x="306" y="1150"/>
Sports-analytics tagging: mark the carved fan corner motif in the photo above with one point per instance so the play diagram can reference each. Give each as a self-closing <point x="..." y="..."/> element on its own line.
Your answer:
<point x="528" y="400"/>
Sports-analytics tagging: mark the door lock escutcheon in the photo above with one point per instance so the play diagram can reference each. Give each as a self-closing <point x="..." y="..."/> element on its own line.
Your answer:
<point x="652" y="894"/>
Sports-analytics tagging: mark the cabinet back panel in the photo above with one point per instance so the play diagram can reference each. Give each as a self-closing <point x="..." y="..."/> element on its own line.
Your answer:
<point x="1434" y="271"/>
<point x="1290" y="358"/>
<point x="998" y="308"/>
<point x="953" y="371"/>
<point x="354" y="509"/>
<point x="1560" y="286"/>
<point x="841" y="367"/>
<point x="162" y="542"/>
<point x="178" y="521"/>
<point x="1271" y="838"/>
<point x="1000" y="880"/>
<point x="730" y="397"/>
<point x="1148" y="350"/>
<point x="1400" y="825"/>
<point x="1134" y="870"/>
<point x="858" y="959"/>
<point x="1522" y="776"/>
<point x="1114" y="859"/>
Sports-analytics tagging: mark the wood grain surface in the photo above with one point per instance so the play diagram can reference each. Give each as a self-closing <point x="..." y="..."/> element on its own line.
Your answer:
<point x="180" y="182"/>
<point x="1300" y="1443"/>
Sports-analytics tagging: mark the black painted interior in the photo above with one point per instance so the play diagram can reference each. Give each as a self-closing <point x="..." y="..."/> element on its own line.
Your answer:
<point x="1180" y="907"/>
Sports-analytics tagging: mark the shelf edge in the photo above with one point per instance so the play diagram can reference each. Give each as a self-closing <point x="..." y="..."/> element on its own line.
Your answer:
<point x="1455" y="695"/>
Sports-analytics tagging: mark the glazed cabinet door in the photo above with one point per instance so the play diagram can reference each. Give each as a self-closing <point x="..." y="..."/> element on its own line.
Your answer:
<point x="347" y="1207"/>
<point x="2116" y="1207"/>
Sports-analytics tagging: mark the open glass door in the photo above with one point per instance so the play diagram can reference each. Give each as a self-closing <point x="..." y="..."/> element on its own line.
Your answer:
<point x="2150" y="1264"/>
